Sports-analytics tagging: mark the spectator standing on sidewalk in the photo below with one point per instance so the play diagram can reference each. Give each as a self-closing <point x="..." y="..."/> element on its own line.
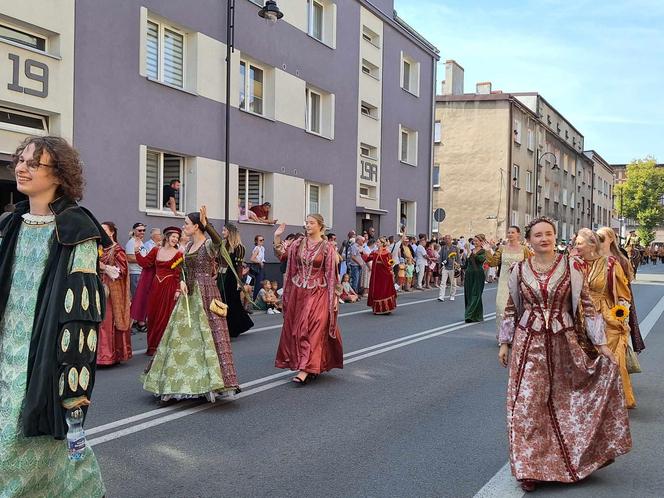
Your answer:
<point x="344" y="251"/>
<point x="155" y="239"/>
<point x="420" y="261"/>
<point x="355" y="264"/>
<point x="448" y="260"/>
<point x="257" y="263"/>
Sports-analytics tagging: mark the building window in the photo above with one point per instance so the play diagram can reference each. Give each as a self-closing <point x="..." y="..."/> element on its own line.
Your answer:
<point x="564" y="197"/>
<point x="165" y="54"/>
<point x="436" y="132"/>
<point x="517" y="132"/>
<point x="368" y="151"/>
<point x="436" y="176"/>
<point x="407" y="217"/>
<point x="370" y="69"/>
<point x="368" y="110"/>
<point x="531" y="139"/>
<point x="410" y="75"/>
<point x="23" y="122"/>
<point x="515" y="176"/>
<point x="160" y="170"/>
<point x="316" y="11"/>
<point x="313" y="198"/>
<point x="22" y="37"/>
<point x="367" y="191"/>
<point x="250" y="189"/>
<point x="529" y="181"/>
<point x="313" y="111"/>
<point x="515" y="218"/>
<point x="407" y="146"/>
<point x="251" y="88"/>
<point x="370" y="36"/>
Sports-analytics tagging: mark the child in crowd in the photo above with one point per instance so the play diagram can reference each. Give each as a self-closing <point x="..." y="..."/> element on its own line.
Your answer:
<point x="277" y="293"/>
<point x="401" y="276"/>
<point x="348" y="295"/>
<point x="410" y="272"/>
<point x="266" y="299"/>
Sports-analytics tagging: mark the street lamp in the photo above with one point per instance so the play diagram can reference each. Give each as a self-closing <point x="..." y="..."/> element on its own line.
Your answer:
<point x="271" y="13"/>
<point x="537" y="187"/>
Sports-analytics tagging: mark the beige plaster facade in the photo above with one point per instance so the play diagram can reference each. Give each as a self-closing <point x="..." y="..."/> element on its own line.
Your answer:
<point x="486" y="157"/>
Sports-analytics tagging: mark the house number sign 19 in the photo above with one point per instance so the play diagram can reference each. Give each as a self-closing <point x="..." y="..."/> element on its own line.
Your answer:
<point x="33" y="70"/>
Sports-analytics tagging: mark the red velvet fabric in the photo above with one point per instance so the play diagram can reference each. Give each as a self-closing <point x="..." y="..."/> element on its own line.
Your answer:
<point x="382" y="294"/>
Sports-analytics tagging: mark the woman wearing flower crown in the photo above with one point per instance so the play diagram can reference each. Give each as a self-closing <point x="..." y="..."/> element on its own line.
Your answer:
<point x="165" y="286"/>
<point x="310" y="338"/>
<point x="382" y="294"/>
<point x="609" y="291"/>
<point x="565" y="408"/>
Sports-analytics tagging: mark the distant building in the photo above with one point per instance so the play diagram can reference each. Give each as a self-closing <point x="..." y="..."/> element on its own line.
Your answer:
<point x="602" y="198"/>
<point x="487" y="148"/>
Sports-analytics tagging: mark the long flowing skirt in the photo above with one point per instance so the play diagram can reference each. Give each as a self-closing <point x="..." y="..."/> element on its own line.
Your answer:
<point x="382" y="295"/>
<point x="186" y="364"/>
<point x="238" y="320"/>
<point x="565" y="411"/>
<point x="305" y="342"/>
<point x="208" y="291"/>
<point x="160" y="308"/>
<point x="473" y="287"/>
<point x="114" y="344"/>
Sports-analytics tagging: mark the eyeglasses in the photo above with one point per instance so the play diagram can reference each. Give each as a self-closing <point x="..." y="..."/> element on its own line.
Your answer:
<point x="140" y="229"/>
<point x="33" y="165"/>
<point x="261" y="240"/>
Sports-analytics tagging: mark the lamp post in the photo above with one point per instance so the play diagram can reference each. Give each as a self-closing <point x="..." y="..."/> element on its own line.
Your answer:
<point x="271" y="13"/>
<point x="537" y="186"/>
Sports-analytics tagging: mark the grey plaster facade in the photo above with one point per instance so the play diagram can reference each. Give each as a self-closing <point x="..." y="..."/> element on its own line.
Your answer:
<point x="116" y="109"/>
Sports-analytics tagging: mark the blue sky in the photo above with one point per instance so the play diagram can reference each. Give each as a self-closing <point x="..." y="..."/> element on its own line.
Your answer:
<point x="601" y="64"/>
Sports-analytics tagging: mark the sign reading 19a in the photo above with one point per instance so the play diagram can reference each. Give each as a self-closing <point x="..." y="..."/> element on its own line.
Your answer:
<point x="33" y="70"/>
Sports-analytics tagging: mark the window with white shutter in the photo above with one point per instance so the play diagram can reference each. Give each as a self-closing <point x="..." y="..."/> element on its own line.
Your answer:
<point x="250" y="187"/>
<point x="160" y="170"/>
<point x="165" y="54"/>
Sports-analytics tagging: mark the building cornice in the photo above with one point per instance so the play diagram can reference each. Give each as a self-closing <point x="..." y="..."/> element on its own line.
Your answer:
<point x="404" y="28"/>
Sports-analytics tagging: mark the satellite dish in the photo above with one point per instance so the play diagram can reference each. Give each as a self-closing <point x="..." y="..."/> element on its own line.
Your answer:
<point x="439" y="215"/>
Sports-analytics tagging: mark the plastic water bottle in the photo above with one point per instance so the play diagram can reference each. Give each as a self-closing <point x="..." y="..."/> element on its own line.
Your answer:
<point x="75" y="435"/>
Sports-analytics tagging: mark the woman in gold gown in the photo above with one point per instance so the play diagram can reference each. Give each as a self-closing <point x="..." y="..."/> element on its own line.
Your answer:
<point x="609" y="289"/>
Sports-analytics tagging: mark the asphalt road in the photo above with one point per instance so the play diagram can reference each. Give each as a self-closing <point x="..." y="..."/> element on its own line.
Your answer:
<point x="418" y="410"/>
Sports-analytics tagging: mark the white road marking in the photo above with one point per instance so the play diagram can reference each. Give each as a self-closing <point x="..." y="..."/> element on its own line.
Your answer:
<point x="503" y="485"/>
<point x="353" y="356"/>
<point x="350" y="313"/>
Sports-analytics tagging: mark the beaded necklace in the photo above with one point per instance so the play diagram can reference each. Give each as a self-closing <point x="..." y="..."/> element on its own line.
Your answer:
<point x="307" y="257"/>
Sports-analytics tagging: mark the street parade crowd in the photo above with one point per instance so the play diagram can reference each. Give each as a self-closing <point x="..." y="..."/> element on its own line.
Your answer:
<point x="72" y="291"/>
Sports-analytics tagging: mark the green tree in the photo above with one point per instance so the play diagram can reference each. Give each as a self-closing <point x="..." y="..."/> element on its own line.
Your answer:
<point x="639" y="197"/>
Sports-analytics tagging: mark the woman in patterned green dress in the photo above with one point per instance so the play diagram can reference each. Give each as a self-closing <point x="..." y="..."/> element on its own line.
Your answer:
<point x="50" y="309"/>
<point x="473" y="284"/>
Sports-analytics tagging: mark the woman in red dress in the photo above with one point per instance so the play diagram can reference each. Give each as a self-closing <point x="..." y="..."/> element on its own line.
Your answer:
<point x="382" y="295"/>
<point x="310" y="338"/>
<point x="165" y="262"/>
<point x="114" y="333"/>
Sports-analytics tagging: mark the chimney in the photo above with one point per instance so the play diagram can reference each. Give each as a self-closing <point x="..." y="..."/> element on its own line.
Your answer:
<point x="453" y="84"/>
<point x="483" y="88"/>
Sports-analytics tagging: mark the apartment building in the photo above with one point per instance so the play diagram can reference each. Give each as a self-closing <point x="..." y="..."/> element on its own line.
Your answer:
<point x="331" y="112"/>
<point x="602" y="200"/>
<point x="502" y="158"/>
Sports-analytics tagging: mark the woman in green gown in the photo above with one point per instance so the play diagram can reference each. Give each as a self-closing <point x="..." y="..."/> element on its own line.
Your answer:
<point x="50" y="310"/>
<point x="473" y="283"/>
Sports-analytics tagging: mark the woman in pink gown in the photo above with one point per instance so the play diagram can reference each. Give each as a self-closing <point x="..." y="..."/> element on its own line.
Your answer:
<point x="310" y="338"/>
<point x="115" y="331"/>
<point x="565" y="403"/>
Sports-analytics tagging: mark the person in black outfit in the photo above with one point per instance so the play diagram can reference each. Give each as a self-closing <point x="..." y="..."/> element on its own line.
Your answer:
<point x="230" y="288"/>
<point x="170" y="195"/>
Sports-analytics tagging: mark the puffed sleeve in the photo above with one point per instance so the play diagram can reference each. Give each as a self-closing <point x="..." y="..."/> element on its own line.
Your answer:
<point x="82" y="310"/>
<point x="621" y="286"/>
<point x="213" y="244"/>
<point x="496" y="258"/>
<point x="149" y="259"/>
<point x="594" y="322"/>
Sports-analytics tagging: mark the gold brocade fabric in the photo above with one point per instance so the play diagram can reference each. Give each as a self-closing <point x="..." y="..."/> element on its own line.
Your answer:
<point x="605" y="295"/>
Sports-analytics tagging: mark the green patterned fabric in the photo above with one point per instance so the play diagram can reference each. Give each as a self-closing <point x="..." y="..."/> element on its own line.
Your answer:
<point x="36" y="466"/>
<point x="186" y="363"/>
